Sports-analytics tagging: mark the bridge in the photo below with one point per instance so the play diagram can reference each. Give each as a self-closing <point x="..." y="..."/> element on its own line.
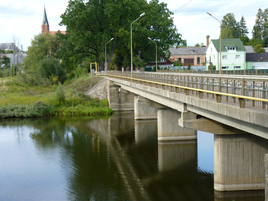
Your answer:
<point x="218" y="104"/>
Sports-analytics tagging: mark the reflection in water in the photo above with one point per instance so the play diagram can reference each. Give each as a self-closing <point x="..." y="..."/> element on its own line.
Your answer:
<point x="113" y="158"/>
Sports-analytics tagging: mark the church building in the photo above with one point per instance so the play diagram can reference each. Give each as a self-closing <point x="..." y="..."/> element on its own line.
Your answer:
<point x="45" y="25"/>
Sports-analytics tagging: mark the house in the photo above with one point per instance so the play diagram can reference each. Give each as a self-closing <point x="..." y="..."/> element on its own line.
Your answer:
<point x="195" y="56"/>
<point x="233" y="54"/>
<point x="162" y="64"/>
<point x="8" y="47"/>
<point x="257" y="61"/>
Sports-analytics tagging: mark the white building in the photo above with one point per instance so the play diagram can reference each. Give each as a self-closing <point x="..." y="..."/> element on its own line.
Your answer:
<point x="233" y="54"/>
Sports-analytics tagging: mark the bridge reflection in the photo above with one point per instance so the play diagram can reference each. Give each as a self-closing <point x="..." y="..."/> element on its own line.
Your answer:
<point x="169" y="170"/>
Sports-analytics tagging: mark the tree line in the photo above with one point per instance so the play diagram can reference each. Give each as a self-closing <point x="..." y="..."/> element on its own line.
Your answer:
<point x="90" y="25"/>
<point x="230" y="28"/>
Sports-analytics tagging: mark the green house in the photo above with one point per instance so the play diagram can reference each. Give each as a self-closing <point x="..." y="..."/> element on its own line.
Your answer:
<point x="232" y="53"/>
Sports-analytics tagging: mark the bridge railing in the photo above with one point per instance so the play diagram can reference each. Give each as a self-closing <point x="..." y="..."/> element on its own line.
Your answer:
<point x="245" y="92"/>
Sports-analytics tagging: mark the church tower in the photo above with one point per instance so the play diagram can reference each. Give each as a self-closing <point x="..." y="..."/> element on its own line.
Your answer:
<point x="45" y="25"/>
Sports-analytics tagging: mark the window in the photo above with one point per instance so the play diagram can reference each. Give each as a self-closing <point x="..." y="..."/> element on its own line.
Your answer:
<point x="198" y="60"/>
<point x="224" y="56"/>
<point x="210" y="49"/>
<point x="231" y="48"/>
<point x="224" y="67"/>
<point x="188" y="61"/>
<point x="213" y="56"/>
<point x="237" y="67"/>
<point x="237" y="56"/>
<point x="179" y="60"/>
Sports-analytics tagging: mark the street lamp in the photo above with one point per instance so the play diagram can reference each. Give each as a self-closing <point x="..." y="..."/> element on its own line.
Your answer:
<point x="106" y="56"/>
<point x="220" y="37"/>
<point x="131" y="41"/>
<point x="155" y="52"/>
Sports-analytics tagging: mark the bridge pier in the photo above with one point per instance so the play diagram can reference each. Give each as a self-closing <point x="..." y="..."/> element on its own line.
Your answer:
<point x="119" y="99"/>
<point x="168" y="128"/>
<point x="144" y="109"/>
<point x="239" y="162"/>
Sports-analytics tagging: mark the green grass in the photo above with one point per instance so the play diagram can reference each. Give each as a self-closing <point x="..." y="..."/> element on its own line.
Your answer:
<point x="22" y="100"/>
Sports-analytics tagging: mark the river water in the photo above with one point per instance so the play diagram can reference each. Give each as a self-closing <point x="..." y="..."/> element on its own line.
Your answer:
<point x="99" y="159"/>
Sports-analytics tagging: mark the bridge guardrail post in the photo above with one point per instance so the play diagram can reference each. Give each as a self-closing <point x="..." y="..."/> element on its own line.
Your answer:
<point x="263" y="94"/>
<point x="201" y="87"/>
<point x="241" y="100"/>
<point x="218" y="97"/>
<point x="253" y="92"/>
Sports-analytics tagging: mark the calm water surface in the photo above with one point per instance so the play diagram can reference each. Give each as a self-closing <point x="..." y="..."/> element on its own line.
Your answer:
<point x="112" y="158"/>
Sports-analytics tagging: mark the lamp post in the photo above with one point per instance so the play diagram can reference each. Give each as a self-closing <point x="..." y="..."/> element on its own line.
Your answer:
<point x="155" y="52"/>
<point x="131" y="41"/>
<point x="220" y="38"/>
<point x="106" y="56"/>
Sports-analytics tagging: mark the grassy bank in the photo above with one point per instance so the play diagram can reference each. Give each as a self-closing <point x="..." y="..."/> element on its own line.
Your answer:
<point x="21" y="100"/>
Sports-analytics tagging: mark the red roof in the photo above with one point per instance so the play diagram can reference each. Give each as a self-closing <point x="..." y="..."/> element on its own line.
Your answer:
<point x="54" y="32"/>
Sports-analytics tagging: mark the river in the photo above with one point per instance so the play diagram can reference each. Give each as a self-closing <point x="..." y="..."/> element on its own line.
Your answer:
<point x="115" y="158"/>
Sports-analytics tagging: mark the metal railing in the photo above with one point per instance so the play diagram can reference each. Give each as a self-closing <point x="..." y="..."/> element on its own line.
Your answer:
<point x="241" y="91"/>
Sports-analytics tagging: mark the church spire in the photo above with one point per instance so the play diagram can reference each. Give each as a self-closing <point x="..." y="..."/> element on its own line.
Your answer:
<point x="45" y="17"/>
<point x="45" y="25"/>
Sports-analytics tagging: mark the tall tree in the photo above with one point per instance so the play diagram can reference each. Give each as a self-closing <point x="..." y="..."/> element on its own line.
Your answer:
<point x="265" y="24"/>
<point x="243" y="27"/>
<point x="229" y="26"/>
<point x="258" y="27"/>
<point x="90" y="25"/>
<point x="43" y="45"/>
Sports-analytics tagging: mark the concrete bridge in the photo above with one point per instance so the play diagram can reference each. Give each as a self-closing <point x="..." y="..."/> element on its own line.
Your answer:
<point x="222" y="105"/>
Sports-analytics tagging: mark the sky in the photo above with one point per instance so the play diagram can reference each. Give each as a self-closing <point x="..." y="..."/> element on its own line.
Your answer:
<point x="21" y="20"/>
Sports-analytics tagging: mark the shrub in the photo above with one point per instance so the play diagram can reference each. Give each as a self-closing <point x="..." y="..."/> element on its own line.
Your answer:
<point x="50" y="68"/>
<point x="60" y="94"/>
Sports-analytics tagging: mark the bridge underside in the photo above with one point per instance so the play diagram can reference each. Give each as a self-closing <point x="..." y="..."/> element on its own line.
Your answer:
<point x="179" y="116"/>
<point x="230" y="118"/>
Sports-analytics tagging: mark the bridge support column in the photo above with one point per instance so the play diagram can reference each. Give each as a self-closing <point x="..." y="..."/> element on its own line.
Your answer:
<point x="239" y="162"/>
<point x="119" y="99"/>
<point x="168" y="128"/>
<point x="145" y="109"/>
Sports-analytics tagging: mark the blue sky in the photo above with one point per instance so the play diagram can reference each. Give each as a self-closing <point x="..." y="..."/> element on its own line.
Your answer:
<point x="22" y="19"/>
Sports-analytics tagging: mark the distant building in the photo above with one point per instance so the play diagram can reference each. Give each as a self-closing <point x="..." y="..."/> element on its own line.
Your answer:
<point x="45" y="25"/>
<point x="195" y="56"/>
<point x="233" y="54"/>
<point x="257" y="61"/>
<point x="162" y="64"/>
<point x="9" y="46"/>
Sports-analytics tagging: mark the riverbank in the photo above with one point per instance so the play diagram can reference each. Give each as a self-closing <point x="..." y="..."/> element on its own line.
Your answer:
<point x="19" y="100"/>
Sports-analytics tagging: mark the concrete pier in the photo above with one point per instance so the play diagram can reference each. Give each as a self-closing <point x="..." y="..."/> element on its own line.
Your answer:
<point x="168" y="128"/>
<point x="143" y="108"/>
<point x="266" y="176"/>
<point x="119" y="99"/>
<point x="239" y="162"/>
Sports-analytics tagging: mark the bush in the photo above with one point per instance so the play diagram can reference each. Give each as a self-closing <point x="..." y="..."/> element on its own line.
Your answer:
<point x="34" y="110"/>
<point x="60" y="94"/>
<point x="50" y="68"/>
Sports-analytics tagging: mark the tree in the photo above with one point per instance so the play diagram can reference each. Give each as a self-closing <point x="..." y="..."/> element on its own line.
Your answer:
<point x="90" y="25"/>
<point x="6" y="61"/>
<point x="258" y="48"/>
<point x="229" y="26"/>
<point x="243" y="30"/>
<point x="50" y="68"/>
<point x="258" y="27"/>
<point x="43" y="45"/>
<point x="265" y="24"/>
